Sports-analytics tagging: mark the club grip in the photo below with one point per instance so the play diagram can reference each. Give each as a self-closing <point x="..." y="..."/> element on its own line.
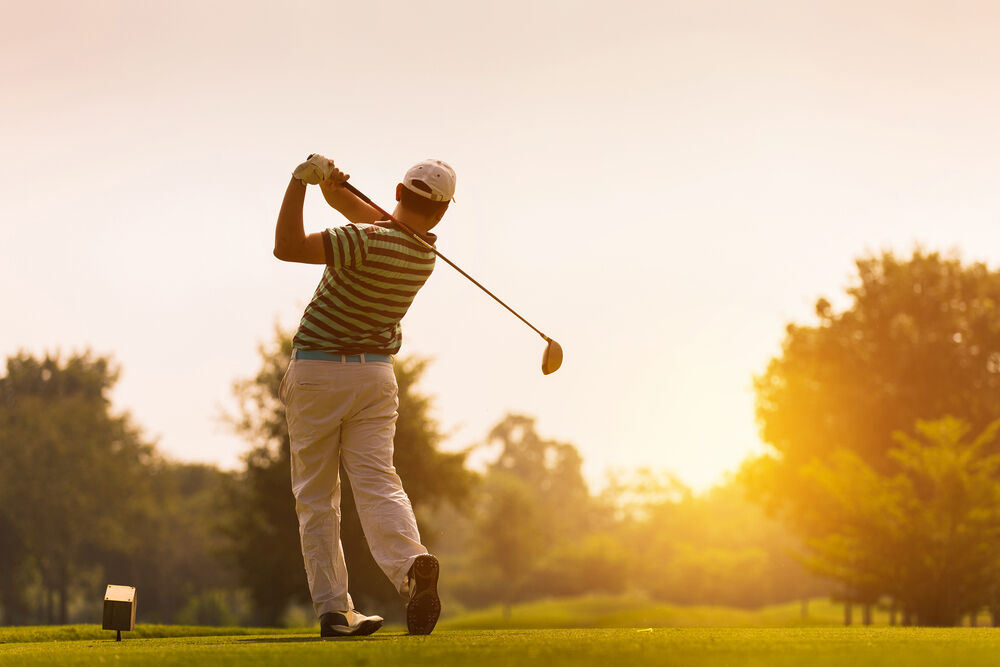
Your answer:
<point x="358" y="193"/>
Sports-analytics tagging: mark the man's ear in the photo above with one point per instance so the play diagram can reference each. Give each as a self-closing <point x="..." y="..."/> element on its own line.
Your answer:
<point x="399" y="191"/>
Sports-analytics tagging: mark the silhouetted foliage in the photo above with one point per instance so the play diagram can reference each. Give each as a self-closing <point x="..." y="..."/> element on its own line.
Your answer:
<point x="84" y="502"/>
<point x="69" y="471"/>
<point x="716" y="547"/>
<point x="925" y="535"/>
<point x="920" y="340"/>
<point x="178" y="559"/>
<point x="537" y="532"/>
<point x="532" y="529"/>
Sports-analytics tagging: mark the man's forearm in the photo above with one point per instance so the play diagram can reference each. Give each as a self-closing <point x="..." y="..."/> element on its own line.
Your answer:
<point x="289" y="232"/>
<point x="349" y="205"/>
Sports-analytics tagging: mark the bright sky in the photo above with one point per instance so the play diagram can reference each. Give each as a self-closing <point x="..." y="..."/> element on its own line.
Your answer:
<point x="659" y="186"/>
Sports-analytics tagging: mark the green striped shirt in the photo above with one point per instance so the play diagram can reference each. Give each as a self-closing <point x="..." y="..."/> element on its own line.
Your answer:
<point x="372" y="274"/>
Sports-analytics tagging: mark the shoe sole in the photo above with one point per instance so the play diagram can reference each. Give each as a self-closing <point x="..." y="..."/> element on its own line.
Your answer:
<point x="366" y="628"/>
<point x="424" y="608"/>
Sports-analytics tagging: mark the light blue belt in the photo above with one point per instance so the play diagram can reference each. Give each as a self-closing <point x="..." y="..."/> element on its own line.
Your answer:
<point x="343" y="358"/>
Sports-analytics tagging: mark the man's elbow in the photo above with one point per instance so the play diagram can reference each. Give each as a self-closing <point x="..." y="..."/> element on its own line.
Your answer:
<point x="307" y="251"/>
<point x="288" y="254"/>
<point x="284" y="250"/>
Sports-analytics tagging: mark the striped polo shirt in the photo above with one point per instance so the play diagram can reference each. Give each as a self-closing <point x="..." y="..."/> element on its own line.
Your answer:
<point x="372" y="274"/>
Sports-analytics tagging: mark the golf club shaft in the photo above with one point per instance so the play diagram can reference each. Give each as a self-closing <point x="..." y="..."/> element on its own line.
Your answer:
<point x="450" y="263"/>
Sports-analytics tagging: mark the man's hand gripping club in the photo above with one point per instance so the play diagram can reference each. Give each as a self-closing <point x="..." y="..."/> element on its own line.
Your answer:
<point x="318" y="169"/>
<point x="291" y="243"/>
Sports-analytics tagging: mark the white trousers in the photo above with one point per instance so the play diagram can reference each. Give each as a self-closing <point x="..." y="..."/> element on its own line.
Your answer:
<point x="340" y="411"/>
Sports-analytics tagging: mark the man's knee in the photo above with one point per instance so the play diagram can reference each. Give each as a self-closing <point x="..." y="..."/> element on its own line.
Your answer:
<point x="312" y="509"/>
<point x="377" y="481"/>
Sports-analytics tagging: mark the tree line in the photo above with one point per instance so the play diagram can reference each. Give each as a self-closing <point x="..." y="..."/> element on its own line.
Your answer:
<point x="85" y="500"/>
<point x="882" y="433"/>
<point x="880" y="485"/>
<point x="84" y="497"/>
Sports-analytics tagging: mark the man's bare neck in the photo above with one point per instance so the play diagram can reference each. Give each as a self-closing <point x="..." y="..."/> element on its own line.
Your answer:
<point x="415" y="221"/>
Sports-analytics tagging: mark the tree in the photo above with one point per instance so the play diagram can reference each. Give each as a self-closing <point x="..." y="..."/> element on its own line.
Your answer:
<point x="925" y="535"/>
<point x="535" y="522"/>
<point x="508" y="541"/>
<point x="70" y="471"/>
<point x="536" y="531"/>
<point x="921" y="339"/>
<point x="715" y="547"/>
<point x="15" y="573"/>
<point x="262" y="525"/>
<point x="552" y="469"/>
<point x="179" y="557"/>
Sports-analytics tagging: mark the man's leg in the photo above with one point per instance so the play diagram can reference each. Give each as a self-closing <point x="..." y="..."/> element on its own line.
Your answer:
<point x="314" y="410"/>
<point x="384" y="508"/>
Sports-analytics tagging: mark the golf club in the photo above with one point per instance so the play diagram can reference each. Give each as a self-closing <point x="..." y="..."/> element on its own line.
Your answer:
<point x="551" y="358"/>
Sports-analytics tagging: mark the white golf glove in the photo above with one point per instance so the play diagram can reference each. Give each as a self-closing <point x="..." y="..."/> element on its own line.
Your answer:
<point x="314" y="170"/>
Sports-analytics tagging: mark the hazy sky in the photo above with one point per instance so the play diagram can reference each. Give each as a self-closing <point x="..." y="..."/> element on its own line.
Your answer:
<point x="659" y="186"/>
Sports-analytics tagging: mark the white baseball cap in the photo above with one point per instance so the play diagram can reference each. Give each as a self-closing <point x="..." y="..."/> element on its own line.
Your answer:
<point x="433" y="179"/>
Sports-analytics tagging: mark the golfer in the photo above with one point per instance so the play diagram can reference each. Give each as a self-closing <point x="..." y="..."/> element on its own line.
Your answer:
<point x="340" y="391"/>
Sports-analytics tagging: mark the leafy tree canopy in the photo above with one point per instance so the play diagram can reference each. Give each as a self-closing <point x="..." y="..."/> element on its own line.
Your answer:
<point x="925" y="535"/>
<point x="70" y="471"/>
<point x="920" y="340"/>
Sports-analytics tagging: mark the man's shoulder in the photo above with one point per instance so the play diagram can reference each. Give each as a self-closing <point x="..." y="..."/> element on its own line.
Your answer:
<point x="366" y="232"/>
<point x="367" y="229"/>
<point x="386" y="232"/>
<point x="379" y="227"/>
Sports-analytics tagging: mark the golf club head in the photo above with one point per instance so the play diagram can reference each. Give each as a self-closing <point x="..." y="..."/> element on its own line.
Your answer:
<point x="552" y="357"/>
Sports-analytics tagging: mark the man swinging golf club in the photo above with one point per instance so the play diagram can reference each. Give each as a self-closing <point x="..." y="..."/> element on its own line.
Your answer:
<point x="340" y="391"/>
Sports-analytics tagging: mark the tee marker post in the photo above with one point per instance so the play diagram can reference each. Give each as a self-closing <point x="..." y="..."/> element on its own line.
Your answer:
<point x="119" y="609"/>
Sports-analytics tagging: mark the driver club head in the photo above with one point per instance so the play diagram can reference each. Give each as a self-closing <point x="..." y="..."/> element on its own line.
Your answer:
<point x="552" y="357"/>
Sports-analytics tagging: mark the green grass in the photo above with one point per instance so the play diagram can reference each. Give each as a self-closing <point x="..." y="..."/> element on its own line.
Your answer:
<point x="593" y="630"/>
<point x="632" y="612"/>
<point x="775" y="647"/>
<point x="50" y="633"/>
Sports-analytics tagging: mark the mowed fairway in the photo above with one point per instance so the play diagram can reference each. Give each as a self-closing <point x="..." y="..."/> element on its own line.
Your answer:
<point x="855" y="647"/>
